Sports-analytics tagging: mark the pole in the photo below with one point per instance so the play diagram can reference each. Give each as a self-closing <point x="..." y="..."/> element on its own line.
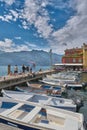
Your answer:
<point x="9" y="69"/>
<point x="51" y="58"/>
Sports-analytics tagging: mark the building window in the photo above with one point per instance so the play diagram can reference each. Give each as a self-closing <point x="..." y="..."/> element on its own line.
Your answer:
<point x="74" y="60"/>
<point x="80" y="60"/>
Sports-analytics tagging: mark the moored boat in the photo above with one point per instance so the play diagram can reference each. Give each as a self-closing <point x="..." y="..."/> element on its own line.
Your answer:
<point x="63" y="103"/>
<point x="29" y="116"/>
<point x="55" y="91"/>
<point x="75" y="86"/>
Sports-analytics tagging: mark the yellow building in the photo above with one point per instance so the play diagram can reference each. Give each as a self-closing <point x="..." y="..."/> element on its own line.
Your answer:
<point x="74" y="58"/>
<point x="84" y="56"/>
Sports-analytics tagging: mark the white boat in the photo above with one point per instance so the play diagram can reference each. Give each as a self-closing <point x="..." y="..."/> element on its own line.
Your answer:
<point x="55" y="91"/>
<point x="56" y="82"/>
<point x="74" y="86"/>
<point x="48" y="78"/>
<point x="63" y="103"/>
<point x="65" y="75"/>
<point x="51" y="82"/>
<point x="29" y="116"/>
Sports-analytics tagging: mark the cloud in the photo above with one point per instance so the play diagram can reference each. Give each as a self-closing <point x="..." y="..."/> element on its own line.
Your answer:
<point x="74" y="32"/>
<point x="8" y="45"/>
<point x="6" y="18"/>
<point x="18" y="38"/>
<point x="34" y="13"/>
<point x="33" y="46"/>
<point x="14" y="14"/>
<point x="59" y="4"/>
<point x="11" y="16"/>
<point x="9" y="2"/>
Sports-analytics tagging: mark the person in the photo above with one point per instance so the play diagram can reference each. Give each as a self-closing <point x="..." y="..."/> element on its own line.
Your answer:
<point x="30" y="70"/>
<point x="27" y="68"/>
<point x="23" y="68"/>
<point x="16" y="69"/>
<point x="40" y="70"/>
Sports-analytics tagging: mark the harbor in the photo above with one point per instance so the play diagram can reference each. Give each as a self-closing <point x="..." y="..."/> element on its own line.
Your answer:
<point x="10" y="81"/>
<point x="43" y="65"/>
<point x="45" y="99"/>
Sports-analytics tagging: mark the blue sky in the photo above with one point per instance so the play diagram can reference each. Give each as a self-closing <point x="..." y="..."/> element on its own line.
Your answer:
<point x="42" y="25"/>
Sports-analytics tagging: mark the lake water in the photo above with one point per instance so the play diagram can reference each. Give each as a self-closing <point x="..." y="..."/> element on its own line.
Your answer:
<point x="4" y="69"/>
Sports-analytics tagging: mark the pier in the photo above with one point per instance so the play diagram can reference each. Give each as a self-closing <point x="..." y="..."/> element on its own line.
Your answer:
<point x="13" y="80"/>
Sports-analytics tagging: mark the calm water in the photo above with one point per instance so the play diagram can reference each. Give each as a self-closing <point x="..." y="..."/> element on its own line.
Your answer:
<point x="4" y="69"/>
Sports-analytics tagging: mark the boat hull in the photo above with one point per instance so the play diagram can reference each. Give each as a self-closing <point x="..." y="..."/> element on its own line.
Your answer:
<point x="66" y="108"/>
<point x="17" y="125"/>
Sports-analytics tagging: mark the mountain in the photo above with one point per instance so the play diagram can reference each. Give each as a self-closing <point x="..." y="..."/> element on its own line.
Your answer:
<point x="39" y="57"/>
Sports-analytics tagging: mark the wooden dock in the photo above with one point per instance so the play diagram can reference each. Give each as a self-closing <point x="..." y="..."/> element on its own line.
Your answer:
<point x="13" y="80"/>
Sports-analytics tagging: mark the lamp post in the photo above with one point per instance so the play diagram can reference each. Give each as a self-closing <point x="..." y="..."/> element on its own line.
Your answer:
<point x="50" y="58"/>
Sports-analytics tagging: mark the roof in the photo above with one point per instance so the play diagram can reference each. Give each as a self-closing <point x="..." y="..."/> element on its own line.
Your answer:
<point x="68" y="64"/>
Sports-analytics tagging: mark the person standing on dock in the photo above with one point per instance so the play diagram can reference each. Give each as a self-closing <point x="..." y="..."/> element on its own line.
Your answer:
<point x="23" y="68"/>
<point x="27" y="68"/>
<point x="15" y="69"/>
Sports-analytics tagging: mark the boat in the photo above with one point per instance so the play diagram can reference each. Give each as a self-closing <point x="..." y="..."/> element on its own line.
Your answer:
<point x="55" y="91"/>
<point x="51" y="82"/>
<point x="65" y="75"/>
<point x="57" y="82"/>
<point x="29" y="116"/>
<point x="76" y="86"/>
<point x="62" y="103"/>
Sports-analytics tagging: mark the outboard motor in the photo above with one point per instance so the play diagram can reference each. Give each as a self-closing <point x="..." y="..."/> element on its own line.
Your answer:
<point x="79" y="104"/>
<point x="84" y="85"/>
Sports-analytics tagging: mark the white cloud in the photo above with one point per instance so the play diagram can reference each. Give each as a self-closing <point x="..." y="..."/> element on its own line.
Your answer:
<point x="14" y="14"/>
<point x="74" y="32"/>
<point x="2" y="18"/>
<point x="9" y="2"/>
<point x="8" y="45"/>
<point x="18" y="38"/>
<point x="31" y="45"/>
<point x="6" y="18"/>
<point x="11" y="16"/>
<point x="35" y="14"/>
<point x="60" y="4"/>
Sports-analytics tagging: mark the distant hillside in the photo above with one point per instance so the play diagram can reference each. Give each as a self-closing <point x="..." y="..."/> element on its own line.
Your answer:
<point x="41" y="58"/>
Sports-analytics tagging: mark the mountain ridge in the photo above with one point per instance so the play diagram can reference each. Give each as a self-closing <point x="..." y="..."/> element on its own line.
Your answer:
<point x="39" y="57"/>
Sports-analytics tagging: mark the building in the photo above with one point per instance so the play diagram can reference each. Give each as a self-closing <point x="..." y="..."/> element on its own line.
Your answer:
<point x="74" y="55"/>
<point x="84" y="56"/>
<point x="75" y="58"/>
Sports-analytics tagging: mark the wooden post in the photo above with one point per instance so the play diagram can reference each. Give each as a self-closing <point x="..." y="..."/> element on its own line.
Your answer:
<point x="9" y="69"/>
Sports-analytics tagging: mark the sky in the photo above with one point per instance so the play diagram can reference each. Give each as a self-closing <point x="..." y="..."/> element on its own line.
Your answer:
<point x="27" y="25"/>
